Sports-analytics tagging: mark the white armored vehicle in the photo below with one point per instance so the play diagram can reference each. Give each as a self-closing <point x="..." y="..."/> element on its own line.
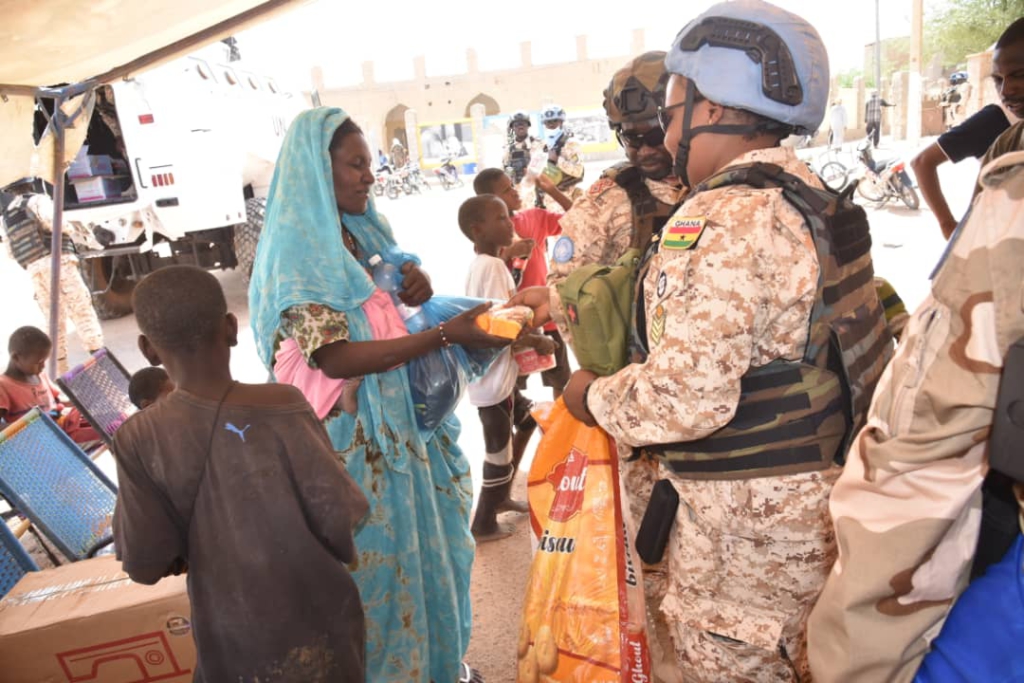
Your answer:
<point x="176" y="170"/>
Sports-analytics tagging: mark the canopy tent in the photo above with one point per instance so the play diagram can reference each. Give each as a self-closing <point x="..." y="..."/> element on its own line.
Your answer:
<point x="61" y="50"/>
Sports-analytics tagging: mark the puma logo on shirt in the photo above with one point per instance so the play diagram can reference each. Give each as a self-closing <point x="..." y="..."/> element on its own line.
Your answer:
<point x="241" y="432"/>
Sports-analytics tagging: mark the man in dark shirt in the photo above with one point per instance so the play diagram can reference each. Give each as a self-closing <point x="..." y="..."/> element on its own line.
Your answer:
<point x="971" y="138"/>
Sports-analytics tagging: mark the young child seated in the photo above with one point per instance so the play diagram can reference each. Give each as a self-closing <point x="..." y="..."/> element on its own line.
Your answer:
<point x="485" y="221"/>
<point x="149" y="385"/>
<point x="24" y="386"/>
<point x="237" y="484"/>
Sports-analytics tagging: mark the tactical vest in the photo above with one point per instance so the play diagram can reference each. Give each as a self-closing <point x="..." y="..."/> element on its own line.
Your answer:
<point x="649" y="213"/>
<point x="29" y="241"/>
<point x="518" y="161"/>
<point x="799" y="416"/>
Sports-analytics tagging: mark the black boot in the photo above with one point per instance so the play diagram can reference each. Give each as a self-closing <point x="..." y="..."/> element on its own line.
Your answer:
<point x="497" y="481"/>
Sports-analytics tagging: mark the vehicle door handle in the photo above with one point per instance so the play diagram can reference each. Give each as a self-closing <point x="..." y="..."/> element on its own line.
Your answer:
<point x="138" y="170"/>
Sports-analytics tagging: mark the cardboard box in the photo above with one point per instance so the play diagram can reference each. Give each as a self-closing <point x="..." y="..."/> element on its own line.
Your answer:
<point x="88" y="622"/>
<point x="97" y="189"/>
<point x="89" y="165"/>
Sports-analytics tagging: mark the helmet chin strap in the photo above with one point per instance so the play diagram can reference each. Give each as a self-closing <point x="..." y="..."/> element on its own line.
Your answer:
<point x="683" y="148"/>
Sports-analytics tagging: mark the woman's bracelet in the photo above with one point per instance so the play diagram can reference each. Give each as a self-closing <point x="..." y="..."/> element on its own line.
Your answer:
<point x="444" y="337"/>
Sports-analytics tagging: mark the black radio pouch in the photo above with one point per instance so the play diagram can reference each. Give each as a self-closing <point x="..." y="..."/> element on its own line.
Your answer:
<point x="652" y="537"/>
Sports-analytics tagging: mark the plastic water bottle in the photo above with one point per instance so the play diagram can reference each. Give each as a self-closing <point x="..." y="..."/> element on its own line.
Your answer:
<point x="388" y="278"/>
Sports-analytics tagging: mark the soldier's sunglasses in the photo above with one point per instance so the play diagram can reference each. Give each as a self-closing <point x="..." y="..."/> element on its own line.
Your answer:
<point x="664" y="118"/>
<point x="655" y="137"/>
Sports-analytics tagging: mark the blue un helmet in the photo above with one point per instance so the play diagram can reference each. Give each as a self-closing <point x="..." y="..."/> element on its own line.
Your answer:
<point x="552" y="113"/>
<point x="775" y="61"/>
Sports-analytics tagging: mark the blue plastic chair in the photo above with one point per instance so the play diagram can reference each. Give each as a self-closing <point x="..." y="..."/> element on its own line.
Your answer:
<point x="14" y="561"/>
<point x="48" y="478"/>
<point x="99" y="389"/>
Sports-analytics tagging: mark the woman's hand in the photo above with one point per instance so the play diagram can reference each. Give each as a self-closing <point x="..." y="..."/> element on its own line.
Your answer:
<point x="463" y="330"/>
<point x="537" y="298"/>
<point x="415" y="286"/>
<point x="573" y="396"/>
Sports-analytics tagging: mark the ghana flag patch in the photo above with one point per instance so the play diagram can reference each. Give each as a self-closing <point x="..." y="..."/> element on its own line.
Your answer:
<point x="683" y="233"/>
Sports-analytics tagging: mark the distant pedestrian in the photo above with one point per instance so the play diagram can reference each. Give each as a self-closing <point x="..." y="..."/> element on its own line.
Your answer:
<point x="837" y="125"/>
<point x="873" y="117"/>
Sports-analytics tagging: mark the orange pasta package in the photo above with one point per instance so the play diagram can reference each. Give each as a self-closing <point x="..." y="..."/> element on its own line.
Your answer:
<point x="584" y="615"/>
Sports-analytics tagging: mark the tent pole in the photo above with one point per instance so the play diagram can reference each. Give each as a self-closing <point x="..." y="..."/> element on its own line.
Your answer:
<point x="58" y="226"/>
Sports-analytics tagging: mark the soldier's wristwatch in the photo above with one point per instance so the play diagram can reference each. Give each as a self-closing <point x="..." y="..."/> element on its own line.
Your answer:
<point x="586" y="395"/>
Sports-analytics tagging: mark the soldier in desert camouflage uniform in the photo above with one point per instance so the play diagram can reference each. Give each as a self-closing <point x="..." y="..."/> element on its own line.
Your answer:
<point x="30" y="214"/>
<point x="621" y="210"/>
<point x="736" y="307"/>
<point x="907" y="507"/>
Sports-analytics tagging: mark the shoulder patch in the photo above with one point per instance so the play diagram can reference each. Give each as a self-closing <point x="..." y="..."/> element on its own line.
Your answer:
<point x="600" y="186"/>
<point x="563" y="250"/>
<point x="683" y="232"/>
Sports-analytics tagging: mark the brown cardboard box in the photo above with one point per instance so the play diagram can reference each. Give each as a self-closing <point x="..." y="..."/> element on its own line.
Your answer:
<point x="88" y="622"/>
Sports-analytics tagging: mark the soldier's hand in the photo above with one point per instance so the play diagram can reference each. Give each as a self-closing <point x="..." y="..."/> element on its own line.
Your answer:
<point x="573" y="396"/>
<point x="538" y="299"/>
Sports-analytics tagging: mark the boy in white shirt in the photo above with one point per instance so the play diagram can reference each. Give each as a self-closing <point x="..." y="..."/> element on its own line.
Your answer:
<point x="485" y="220"/>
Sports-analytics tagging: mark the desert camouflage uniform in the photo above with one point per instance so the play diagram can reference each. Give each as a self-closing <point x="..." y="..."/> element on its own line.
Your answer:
<point x="747" y="557"/>
<point x="600" y="228"/>
<point x="908" y="505"/>
<point x="570" y="162"/>
<point x="75" y="299"/>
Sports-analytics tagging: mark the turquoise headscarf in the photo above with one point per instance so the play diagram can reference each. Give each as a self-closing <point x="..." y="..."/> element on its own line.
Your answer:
<point x="415" y="549"/>
<point x="301" y="257"/>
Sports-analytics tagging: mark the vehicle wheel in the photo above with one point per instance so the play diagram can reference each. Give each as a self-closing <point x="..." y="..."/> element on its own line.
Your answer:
<point x="392" y="192"/>
<point x="378" y="190"/>
<point x="834" y="175"/>
<point x="869" y="189"/>
<point x="98" y="273"/>
<point x="909" y="196"/>
<point x="458" y="181"/>
<point x="247" y="235"/>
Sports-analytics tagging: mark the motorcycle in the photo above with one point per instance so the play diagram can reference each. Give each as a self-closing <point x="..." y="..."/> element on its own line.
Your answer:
<point x="885" y="179"/>
<point x="415" y="177"/>
<point x="380" y="180"/>
<point x="447" y="174"/>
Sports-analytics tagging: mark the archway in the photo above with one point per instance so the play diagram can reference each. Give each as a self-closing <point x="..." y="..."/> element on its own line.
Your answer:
<point x="394" y="127"/>
<point x="491" y="107"/>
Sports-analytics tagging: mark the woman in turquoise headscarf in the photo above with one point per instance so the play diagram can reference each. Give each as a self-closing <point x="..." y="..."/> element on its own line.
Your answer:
<point x="309" y="284"/>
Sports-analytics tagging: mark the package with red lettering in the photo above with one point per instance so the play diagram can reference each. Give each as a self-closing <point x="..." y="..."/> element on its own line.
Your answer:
<point x="584" y="616"/>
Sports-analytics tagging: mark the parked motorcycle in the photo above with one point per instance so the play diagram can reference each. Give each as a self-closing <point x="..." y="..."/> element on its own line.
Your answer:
<point x="885" y="179"/>
<point x="380" y="180"/>
<point x="447" y="174"/>
<point x="416" y="178"/>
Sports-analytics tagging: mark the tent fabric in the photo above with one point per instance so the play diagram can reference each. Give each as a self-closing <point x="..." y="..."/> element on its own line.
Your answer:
<point x="55" y="42"/>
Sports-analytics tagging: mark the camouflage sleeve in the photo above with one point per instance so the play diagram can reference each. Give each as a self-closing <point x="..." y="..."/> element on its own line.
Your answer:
<point x="906" y="508"/>
<point x="42" y="207"/>
<point x="570" y="161"/>
<point x="597" y="229"/>
<point x="745" y="289"/>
